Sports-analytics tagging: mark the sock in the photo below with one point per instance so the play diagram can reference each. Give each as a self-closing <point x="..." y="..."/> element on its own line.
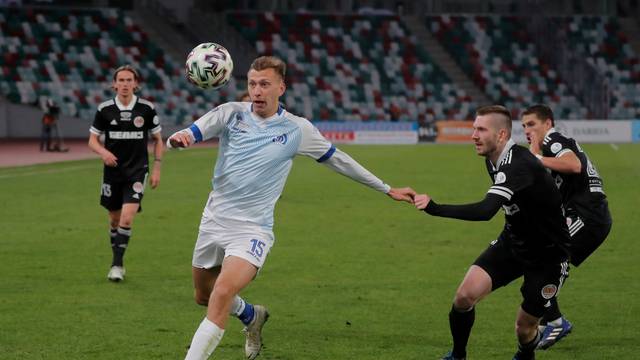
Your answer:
<point x="243" y="310"/>
<point x="527" y="351"/>
<point x="204" y="341"/>
<point x="119" y="245"/>
<point x="552" y="315"/>
<point x="461" y="324"/>
<point x="112" y="236"/>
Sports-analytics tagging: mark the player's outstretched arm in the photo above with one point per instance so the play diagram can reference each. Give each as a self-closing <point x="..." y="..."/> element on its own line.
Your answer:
<point x="480" y="211"/>
<point x="344" y="164"/>
<point x="402" y="194"/>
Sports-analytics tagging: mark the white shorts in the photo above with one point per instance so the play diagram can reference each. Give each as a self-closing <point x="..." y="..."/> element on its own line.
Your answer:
<point x="217" y="241"/>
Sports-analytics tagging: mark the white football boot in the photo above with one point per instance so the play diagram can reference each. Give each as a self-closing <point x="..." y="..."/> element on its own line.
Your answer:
<point x="116" y="273"/>
<point x="253" y="332"/>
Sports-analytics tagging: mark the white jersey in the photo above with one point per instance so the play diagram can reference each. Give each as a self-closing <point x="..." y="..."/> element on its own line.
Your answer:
<point x="254" y="159"/>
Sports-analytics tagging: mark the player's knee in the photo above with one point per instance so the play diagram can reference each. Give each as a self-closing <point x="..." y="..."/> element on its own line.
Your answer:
<point x="464" y="300"/>
<point x="223" y="291"/>
<point x="125" y="222"/>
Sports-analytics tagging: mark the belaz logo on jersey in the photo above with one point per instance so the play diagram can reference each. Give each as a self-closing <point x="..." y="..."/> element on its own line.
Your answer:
<point x="280" y="139"/>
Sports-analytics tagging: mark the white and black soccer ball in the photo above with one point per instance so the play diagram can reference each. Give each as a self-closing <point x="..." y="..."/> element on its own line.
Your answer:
<point x="209" y="66"/>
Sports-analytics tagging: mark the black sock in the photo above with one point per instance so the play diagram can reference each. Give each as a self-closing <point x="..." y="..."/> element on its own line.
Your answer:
<point x="460" y="324"/>
<point x="527" y="351"/>
<point x="552" y="312"/>
<point x="120" y="242"/>
<point x="112" y="238"/>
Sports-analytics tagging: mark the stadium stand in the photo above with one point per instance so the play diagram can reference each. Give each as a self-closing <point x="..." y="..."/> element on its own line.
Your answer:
<point x="497" y="52"/>
<point x="370" y="67"/>
<point x="601" y="40"/>
<point x="69" y="55"/>
<point x="341" y="67"/>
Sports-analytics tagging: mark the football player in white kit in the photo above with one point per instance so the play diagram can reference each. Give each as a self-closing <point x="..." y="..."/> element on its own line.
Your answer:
<point x="258" y="141"/>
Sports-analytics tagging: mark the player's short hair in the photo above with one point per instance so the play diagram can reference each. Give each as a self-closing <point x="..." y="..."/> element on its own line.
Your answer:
<point x="503" y="112"/>
<point x="270" y="62"/>
<point x="127" y="67"/>
<point x="541" y="111"/>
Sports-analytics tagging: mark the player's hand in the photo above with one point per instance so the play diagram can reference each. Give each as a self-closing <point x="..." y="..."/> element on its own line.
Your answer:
<point x="402" y="194"/>
<point x="421" y="201"/>
<point x="534" y="146"/>
<point x="109" y="159"/>
<point x="181" y="139"/>
<point x="154" y="180"/>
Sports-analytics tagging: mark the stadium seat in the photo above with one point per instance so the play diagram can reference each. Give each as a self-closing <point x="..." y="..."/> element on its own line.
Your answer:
<point x="47" y="52"/>
<point x="497" y="53"/>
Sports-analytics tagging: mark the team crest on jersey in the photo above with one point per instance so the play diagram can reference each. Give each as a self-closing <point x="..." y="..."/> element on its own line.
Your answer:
<point x="555" y="147"/>
<point x="281" y="139"/>
<point x="125" y="116"/>
<point x="500" y="178"/>
<point x="240" y="125"/>
<point x="510" y="209"/>
<point x="138" y="187"/>
<point x="549" y="291"/>
<point x="138" y="121"/>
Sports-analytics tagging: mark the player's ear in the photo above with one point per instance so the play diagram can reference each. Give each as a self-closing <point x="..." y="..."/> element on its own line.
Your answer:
<point x="283" y="87"/>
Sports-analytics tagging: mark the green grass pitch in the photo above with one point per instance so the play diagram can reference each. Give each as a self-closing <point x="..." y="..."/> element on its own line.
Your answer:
<point x="353" y="275"/>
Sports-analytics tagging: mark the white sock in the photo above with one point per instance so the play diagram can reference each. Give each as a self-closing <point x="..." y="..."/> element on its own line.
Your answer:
<point x="205" y="340"/>
<point x="237" y="307"/>
<point x="557" y="322"/>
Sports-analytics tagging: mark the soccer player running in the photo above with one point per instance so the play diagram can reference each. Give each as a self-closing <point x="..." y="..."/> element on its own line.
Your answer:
<point x="126" y="122"/>
<point x="532" y="243"/>
<point x="258" y="141"/>
<point x="583" y="197"/>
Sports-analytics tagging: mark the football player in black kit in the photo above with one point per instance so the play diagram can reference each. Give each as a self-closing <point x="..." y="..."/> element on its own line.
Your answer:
<point x="532" y="243"/>
<point x="126" y="122"/>
<point x="583" y="197"/>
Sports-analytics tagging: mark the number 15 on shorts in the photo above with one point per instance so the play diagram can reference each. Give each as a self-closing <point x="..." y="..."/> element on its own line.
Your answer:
<point x="257" y="247"/>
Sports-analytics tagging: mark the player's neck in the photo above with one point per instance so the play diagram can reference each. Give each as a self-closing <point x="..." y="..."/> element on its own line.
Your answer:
<point x="125" y="99"/>
<point x="264" y="116"/>
<point x="495" y="155"/>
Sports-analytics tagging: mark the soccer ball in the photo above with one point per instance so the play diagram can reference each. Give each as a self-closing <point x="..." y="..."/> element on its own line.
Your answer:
<point x="209" y="66"/>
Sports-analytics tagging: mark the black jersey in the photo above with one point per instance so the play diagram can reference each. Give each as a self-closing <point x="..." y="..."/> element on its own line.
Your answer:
<point x="583" y="193"/>
<point x="126" y="134"/>
<point x="535" y="225"/>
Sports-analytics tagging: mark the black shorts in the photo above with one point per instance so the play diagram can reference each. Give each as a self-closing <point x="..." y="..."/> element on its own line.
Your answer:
<point x="542" y="281"/>
<point x="585" y="238"/>
<point x="114" y="193"/>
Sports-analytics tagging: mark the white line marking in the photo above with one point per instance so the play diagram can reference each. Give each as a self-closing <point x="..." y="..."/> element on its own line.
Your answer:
<point x="614" y="147"/>
<point x="49" y="171"/>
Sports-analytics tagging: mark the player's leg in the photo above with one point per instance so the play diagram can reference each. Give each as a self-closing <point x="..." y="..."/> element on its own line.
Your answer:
<point x="114" y="221"/>
<point x="542" y="282"/>
<point x="203" y="282"/>
<point x="475" y="286"/>
<point x="130" y="195"/>
<point x="494" y="268"/>
<point x="217" y="242"/>
<point x="585" y="239"/>
<point x="527" y="334"/>
<point x="236" y="274"/>
<point x="123" y="235"/>
<point x="111" y="199"/>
